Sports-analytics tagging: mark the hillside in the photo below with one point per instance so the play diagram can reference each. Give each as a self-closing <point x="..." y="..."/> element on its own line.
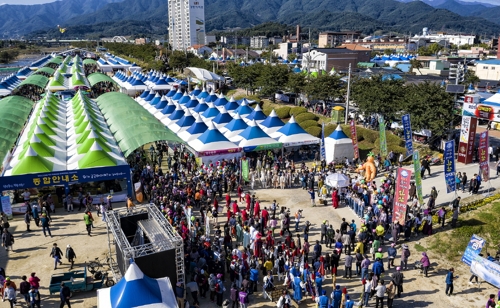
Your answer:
<point x="22" y="19"/>
<point x="365" y="15"/>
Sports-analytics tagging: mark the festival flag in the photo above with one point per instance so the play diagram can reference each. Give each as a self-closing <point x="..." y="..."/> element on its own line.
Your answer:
<point x="408" y="134"/>
<point x="323" y="151"/>
<point x="244" y="169"/>
<point x="449" y="166"/>
<point x="418" y="176"/>
<point x="354" y="138"/>
<point x="401" y="195"/>
<point x="484" y="157"/>
<point x="383" y="140"/>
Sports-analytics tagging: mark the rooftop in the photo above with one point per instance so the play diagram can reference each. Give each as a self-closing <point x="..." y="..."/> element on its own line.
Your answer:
<point x="490" y="61"/>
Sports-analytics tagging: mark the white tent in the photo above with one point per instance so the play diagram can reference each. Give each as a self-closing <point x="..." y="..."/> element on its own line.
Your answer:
<point x="138" y="290"/>
<point x="337" y="180"/>
<point x="291" y="134"/>
<point x="212" y="141"/>
<point x="338" y="146"/>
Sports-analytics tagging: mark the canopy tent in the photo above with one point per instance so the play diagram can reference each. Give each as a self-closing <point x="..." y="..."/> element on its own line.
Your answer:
<point x="257" y="114"/>
<point x="203" y="94"/>
<point x="201" y="107"/>
<point x="338" y="146"/>
<point x="46" y="71"/>
<point x="337" y="180"/>
<point x="96" y="78"/>
<point x="132" y="125"/>
<point x="210" y="113"/>
<point x="202" y="74"/>
<point x="253" y="138"/>
<point x="196" y="91"/>
<point x="166" y="111"/>
<point x="12" y="107"/>
<point x="272" y="123"/>
<point x="291" y="134"/>
<point x="212" y="141"/>
<point x="183" y="123"/>
<point x="231" y="105"/>
<point x="212" y="97"/>
<point x="35" y="80"/>
<point x="192" y="103"/>
<point x="193" y="132"/>
<point x="222" y="118"/>
<point x="244" y="110"/>
<point x="138" y="290"/>
<point x="174" y="117"/>
<point x="220" y="101"/>
<point x="89" y="62"/>
<point x="57" y="83"/>
<point x="236" y="126"/>
<point x="184" y="99"/>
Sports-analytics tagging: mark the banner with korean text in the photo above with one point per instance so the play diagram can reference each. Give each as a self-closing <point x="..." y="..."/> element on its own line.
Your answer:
<point x="354" y="138"/>
<point x="449" y="166"/>
<point x="244" y="169"/>
<point x="484" y="157"/>
<point x="401" y="195"/>
<point x="383" y="140"/>
<point x="408" y="134"/>
<point x="418" y="177"/>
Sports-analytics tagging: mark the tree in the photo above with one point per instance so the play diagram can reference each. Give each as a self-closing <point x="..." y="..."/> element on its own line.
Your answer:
<point x="244" y="76"/>
<point x="375" y="95"/>
<point x="296" y="83"/>
<point x="272" y="78"/>
<point x="429" y="106"/>
<point x="415" y="65"/>
<point x="178" y="60"/>
<point x="325" y="87"/>
<point x="291" y="57"/>
<point x="470" y="77"/>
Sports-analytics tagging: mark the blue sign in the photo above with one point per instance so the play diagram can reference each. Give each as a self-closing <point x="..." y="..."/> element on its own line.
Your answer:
<point x="323" y="150"/>
<point x="473" y="249"/>
<point x="449" y="165"/>
<point x="408" y="134"/>
<point x="486" y="270"/>
<point x="66" y="178"/>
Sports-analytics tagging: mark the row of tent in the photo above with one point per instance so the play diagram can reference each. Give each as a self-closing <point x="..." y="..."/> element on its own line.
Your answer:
<point x="64" y="135"/>
<point x="210" y="123"/>
<point x="111" y="62"/>
<point x="137" y="81"/>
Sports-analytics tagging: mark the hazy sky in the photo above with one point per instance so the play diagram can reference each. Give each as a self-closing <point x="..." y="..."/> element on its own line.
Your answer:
<point x="497" y="2"/>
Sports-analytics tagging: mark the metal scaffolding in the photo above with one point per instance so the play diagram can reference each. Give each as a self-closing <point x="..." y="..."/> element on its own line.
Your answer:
<point x="156" y="228"/>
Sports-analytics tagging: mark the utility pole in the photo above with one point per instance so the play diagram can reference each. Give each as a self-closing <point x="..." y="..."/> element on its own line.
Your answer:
<point x="347" y="96"/>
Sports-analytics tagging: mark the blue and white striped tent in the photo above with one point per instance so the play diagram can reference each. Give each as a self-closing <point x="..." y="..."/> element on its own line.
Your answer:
<point x="291" y="134"/>
<point x="272" y="123"/>
<point x="193" y="132"/>
<point x="138" y="290"/>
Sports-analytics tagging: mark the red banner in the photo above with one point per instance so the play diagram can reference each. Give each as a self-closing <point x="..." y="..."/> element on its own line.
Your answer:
<point x="484" y="157"/>
<point x="354" y="137"/>
<point x="401" y="195"/>
<point x="467" y="136"/>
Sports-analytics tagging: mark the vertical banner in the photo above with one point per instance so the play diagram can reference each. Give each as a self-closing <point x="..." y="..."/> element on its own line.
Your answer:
<point x="467" y="137"/>
<point x="474" y="248"/>
<point x="323" y="154"/>
<point x="449" y="166"/>
<point x="383" y="140"/>
<point x="244" y="169"/>
<point x="354" y="138"/>
<point x="6" y="206"/>
<point x="408" y="134"/>
<point x="418" y="177"/>
<point x="484" y="157"/>
<point x="401" y="195"/>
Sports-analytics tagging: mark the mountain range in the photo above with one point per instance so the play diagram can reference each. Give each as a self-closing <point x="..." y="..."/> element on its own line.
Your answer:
<point x="149" y="17"/>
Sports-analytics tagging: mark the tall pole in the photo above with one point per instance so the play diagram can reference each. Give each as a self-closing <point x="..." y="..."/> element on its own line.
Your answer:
<point x="347" y="96"/>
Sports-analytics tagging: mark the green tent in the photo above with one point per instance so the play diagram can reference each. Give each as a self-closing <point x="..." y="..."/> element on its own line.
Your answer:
<point x="18" y="109"/>
<point x="35" y="80"/>
<point x="95" y="78"/>
<point x="55" y="60"/>
<point x="36" y="144"/>
<point x="96" y="157"/>
<point x="131" y="124"/>
<point x="32" y="163"/>
<point x="47" y="70"/>
<point x="90" y="140"/>
<point x="89" y="62"/>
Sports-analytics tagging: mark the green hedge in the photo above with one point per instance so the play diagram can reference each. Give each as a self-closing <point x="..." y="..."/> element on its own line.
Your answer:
<point x="308" y="123"/>
<point x="283" y="112"/>
<point x="267" y="111"/>
<point x="329" y="128"/>
<point x="294" y="111"/>
<point x="305" y="117"/>
<point x="314" y="130"/>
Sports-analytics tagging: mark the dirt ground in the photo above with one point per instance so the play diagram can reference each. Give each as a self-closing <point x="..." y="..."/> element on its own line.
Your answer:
<point x="31" y="253"/>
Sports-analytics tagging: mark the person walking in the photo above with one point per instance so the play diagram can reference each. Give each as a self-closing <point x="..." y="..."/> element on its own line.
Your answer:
<point x="405" y="254"/>
<point x="193" y="288"/>
<point x="34" y="296"/>
<point x="449" y="281"/>
<point x="45" y="225"/>
<point x="180" y="295"/>
<point x="398" y="277"/>
<point x="87" y="218"/>
<point x="7" y="240"/>
<point x="65" y="295"/>
<point x="27" y="220"/>
<point x="391" y="293"/>
<point x="313" y="196"/>
<point x="425" y="263"/>
<point x="56" y="253"/>
<point x="24" y="289"/>
<point x="9" y="293"/>
<point x="34" y="281"/>
<point x="70" y="255"/>
<point x="380" y="292"/>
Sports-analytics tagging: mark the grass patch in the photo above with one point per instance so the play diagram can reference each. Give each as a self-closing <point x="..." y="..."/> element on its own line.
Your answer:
<point x="420" y="248"/>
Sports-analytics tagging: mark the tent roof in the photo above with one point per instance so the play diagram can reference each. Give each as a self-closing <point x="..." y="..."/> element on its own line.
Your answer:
<point x="237" y="123"/>
<point x="89" y="61"/>
<point x="131" y="124"/>
<point x="32" y="163"/>
<point x="272" y="121"/>
<point x="95" y="78"/>
<point x="291" y="128"/>
<point x="35" y="80"/>
<point x="96" y="157"/>
<point x="12" y="107"/>
<point x="202" y="74"/>
<point x="45" y="69"/>
<point x="338" y="134"/>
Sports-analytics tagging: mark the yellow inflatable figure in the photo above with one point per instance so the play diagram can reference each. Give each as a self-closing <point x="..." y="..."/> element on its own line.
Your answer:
<point x="369" y="168"/>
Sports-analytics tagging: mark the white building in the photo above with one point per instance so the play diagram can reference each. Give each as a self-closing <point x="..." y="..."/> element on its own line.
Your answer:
<point x="444" y="39"/>
<point x="259" y="42"/>
<point x="186" y="20"/>
<point x="488" y="69"/>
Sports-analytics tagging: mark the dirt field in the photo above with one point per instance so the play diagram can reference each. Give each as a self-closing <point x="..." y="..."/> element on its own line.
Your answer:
<point x="31" y="253"/>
